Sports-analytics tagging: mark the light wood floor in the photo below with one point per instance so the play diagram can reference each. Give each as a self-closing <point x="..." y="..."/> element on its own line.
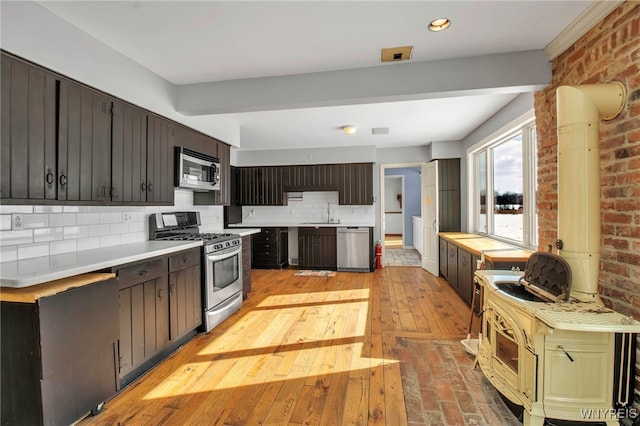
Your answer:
<point x="393" y="241"/>
<point x="301" y="351"/>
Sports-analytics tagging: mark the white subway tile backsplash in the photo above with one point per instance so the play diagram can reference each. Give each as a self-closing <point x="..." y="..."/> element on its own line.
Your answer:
<point x="28" y="251"/>
<point x="88" y="243"/>
<point x="62" y="219"/>
<point x="8" y="209"/>
<point x="47" y="234"/>
<point x="47" y="209"/>
<point x="75" y="232"/>
<point x="13" y="238"/>
<point x="5" y="222"/>
<point x="88" y="218"/>
<point x="110" y="217"/>
<point x="30" y="221"/>
<point x="60" y="247"/>
<point x="99" y="230"/>
<point x="53" y="230"/>
<point x="110" y="240"/>
<point x="8" y="254"/>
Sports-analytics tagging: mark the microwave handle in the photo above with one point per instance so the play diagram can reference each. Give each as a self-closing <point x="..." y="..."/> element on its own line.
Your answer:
<point x="199" y="161"/>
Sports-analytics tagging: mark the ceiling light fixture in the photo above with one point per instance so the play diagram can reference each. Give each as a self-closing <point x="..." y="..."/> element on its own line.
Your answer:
<point x="439" y="24"/>
<point x="349" y="129"/>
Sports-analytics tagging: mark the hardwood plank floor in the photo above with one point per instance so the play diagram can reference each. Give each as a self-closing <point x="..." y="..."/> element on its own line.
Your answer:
<point x="301" y="351"/>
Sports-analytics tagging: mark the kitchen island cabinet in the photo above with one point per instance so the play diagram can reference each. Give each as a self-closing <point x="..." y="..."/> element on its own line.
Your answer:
<point x="59" y="350"/>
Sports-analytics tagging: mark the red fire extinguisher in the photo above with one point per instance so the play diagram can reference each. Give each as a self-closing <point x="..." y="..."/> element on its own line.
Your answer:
<point x="378" y="255"/>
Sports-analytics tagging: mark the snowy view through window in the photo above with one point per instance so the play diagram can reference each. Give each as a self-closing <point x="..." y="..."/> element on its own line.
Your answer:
<point x="507" y="189"/>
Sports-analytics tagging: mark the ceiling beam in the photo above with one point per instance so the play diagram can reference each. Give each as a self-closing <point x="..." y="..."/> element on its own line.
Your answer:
<point x="501" y="73"/>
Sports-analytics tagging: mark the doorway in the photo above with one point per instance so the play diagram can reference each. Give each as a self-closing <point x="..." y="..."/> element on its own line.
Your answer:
<point x="401" y="195"/>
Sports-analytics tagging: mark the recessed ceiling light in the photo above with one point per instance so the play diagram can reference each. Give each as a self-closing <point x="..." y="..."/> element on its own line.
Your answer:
<point x="349" y="129"/>
<point x="439" y="24"/>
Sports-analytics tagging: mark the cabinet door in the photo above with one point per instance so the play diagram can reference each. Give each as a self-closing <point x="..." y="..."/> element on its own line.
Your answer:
<point x="317" y="248"/>
<point x="452" y="265"/>
<point x="246" y="265"/>
<point x="144" y="322"/>
<point x="84" y="144"/>
<point x="129" y="154"/>
<point x="184" y="301"/>
<point x="28" y="148"/>
<point x="443" y="258"/>
<point x="160" y="144"/>
<point x="356" y="184"/>
<point x="465" y="275"/>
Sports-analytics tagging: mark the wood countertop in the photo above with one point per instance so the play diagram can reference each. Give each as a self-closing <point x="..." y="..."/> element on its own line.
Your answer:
<point x="494" y="250"/>
<point x="33" y="293"/>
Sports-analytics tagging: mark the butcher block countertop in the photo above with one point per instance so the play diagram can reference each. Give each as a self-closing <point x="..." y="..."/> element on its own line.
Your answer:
<point x="32" y="293"/>
<point x="28" y="272"/>
<point x="494" y="250"/>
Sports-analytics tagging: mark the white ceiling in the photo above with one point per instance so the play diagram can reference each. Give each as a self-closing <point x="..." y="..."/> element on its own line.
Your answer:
<point x="213" y="41"/>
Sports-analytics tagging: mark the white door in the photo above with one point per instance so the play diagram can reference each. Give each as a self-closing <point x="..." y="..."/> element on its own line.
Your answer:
<point x="430" y="225"/>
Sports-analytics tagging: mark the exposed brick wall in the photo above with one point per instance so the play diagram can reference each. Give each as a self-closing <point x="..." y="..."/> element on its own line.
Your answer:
<point x="608" y="52"/>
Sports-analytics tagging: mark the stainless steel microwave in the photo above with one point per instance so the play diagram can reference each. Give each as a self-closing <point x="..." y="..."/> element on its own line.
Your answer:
<point x="197" y="171"/>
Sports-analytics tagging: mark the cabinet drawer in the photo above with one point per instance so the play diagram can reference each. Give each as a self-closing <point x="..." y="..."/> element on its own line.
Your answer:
<point x="184" y="259"/>
<point x="142" y="272"/>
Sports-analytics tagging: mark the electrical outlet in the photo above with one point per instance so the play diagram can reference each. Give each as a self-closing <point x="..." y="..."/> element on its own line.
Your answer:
<point x="17" y="222"/>
<point x="126" y="216"/>
<point x="252" y="212"/>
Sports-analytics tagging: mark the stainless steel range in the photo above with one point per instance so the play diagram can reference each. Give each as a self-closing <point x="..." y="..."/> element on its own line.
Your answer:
<point x="221" y="257"/>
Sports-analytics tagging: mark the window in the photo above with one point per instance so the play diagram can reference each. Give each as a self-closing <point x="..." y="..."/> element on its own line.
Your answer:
<point x="503" y="183"/>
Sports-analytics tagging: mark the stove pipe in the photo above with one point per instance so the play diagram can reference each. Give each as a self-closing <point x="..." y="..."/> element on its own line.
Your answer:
<point x="579" y="110"/>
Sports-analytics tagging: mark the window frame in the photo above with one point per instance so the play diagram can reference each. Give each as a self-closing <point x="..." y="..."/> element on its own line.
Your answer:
<point x="524" y="124"/>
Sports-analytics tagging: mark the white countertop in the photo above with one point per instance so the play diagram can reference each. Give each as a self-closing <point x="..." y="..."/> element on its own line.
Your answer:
<point x="300" y="225"/>
<point x="24" y="273"/>
<point x="242" y="232"/>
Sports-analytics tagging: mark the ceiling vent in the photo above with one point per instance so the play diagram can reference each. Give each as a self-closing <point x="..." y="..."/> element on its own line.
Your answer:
<point x="396" y="54"/>
<point x="379" y="130"/>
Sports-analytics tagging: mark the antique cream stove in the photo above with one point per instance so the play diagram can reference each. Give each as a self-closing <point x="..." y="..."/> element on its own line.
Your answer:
<point x="549" y="343"/>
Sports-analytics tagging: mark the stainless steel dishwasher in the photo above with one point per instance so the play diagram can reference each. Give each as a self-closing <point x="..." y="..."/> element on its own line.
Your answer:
<point x="353" y="249"/>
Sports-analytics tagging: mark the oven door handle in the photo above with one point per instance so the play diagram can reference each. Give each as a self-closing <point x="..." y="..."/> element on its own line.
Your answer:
<point x="218" y="257"/>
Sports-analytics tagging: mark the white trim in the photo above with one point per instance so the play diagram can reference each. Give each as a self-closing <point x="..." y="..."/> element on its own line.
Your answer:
<point x="514" y="124"/>
<point x="596" y="12"/>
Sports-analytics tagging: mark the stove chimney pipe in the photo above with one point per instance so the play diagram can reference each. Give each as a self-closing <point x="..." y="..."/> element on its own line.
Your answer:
<point x="579" y="110"/>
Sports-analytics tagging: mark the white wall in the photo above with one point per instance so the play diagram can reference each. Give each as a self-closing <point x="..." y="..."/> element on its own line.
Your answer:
<point x="446" y="149"/>
<point x="514" y="109"/>
<point x="290" y="157"/>
<point x="32" y="32"/>
<point x="49" y="230"/>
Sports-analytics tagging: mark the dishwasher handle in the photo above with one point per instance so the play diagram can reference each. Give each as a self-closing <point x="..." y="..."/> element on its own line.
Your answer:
<point x="352" y="229"/>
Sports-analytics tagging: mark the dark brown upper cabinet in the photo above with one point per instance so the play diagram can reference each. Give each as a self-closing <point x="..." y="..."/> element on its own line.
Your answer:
<point x="161" y="136"/>
<point x="129" y="154"/>
<point x="28" y="148"/>
<point x="267" y="185"/>
<point x="449" y="195"/>
<point x="84" y="144"/>
<point x="356" y="184"/>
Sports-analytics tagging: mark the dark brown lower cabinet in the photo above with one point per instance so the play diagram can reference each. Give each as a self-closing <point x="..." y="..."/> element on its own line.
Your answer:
<point x="465" y="275"/>
<point x="246" y="265"/>
<point x="59" y="355"/>
<point x="452" y="265"/>
<point x="270" y="248"/>
<point x="185" y="301"/>
<point x="317" y="248"/>
<point x="443" y="257"/>
<point x="160" y="309"/>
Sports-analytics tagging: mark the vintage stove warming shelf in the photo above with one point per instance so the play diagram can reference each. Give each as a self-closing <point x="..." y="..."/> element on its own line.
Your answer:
<point x="549" y="343"/>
